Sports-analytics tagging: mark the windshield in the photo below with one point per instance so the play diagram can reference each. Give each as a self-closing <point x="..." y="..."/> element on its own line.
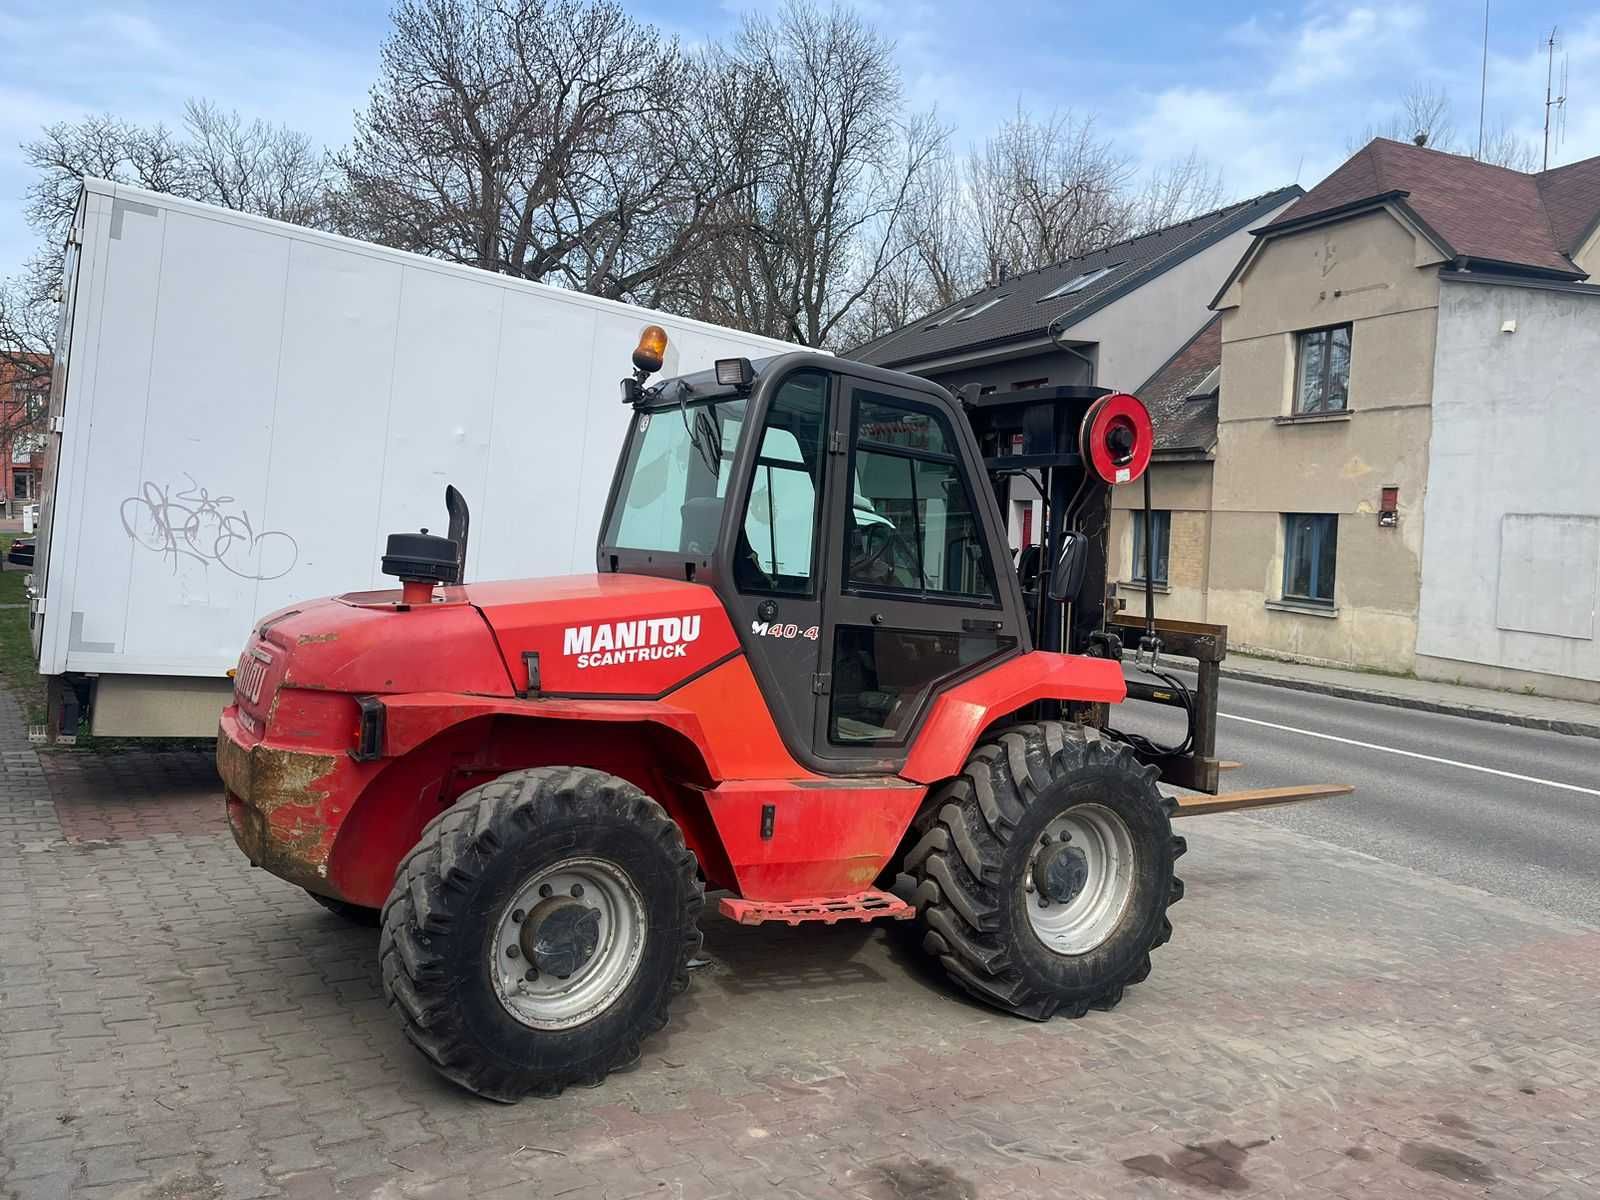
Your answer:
<point x="676" y="478"/>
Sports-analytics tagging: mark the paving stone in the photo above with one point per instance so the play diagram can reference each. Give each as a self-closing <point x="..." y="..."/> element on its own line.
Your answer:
<point x="1322" y="1025"/>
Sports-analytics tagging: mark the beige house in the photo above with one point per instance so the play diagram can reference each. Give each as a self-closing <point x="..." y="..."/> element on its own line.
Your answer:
<point x="1311" y="499"/>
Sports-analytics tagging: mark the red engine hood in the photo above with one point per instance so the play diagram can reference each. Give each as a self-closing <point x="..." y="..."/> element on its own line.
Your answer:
<point x="360" y="643"/>
<point x="604" y="635"/>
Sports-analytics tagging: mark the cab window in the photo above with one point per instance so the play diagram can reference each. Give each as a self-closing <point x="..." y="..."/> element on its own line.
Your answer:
<point x="913" y="526"/>
<point x="776" y="550"/>
<point x="676" y="478"/>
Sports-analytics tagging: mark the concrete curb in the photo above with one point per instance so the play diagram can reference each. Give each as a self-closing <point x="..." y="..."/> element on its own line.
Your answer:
<point x="1447" y="707"/>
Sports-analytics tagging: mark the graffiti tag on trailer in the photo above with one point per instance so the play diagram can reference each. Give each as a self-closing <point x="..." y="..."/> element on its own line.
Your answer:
<point x="191" y="523"/>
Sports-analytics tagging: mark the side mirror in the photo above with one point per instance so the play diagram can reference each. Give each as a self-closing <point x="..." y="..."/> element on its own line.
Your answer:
<point x="1067" y="578"/>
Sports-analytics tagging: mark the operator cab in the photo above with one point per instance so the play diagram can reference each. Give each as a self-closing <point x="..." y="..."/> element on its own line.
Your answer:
<point x="842" y="515"/>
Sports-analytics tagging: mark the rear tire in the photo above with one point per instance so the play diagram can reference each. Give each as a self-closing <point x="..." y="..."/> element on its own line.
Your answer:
<point x="978" y="864"/>
<point x="356" y="914"/>
<point x="473" y="907"/>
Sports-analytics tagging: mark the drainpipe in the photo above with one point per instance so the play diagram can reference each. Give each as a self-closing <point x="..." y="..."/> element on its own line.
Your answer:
<point x="1050" y="332"/>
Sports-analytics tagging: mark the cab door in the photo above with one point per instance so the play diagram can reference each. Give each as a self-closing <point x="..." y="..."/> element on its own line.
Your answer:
<point x="773" y="585"/>
<point x="915" y="599"/>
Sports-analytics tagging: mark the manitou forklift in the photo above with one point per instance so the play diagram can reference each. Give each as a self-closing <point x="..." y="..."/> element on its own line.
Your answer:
<point x="806" y="674"/>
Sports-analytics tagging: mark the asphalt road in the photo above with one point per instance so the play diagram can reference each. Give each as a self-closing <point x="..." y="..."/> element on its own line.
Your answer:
<point x="1530" y="831"/>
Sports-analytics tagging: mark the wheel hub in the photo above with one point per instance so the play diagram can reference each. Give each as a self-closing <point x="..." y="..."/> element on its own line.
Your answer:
<point x="1080" y="879"/>
<point x="568" y="943"/>
<point x="1059" y="872"/>
<point x="560" y="936"/>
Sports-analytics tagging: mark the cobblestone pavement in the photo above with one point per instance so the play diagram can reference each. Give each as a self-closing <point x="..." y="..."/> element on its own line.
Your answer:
<point x="174" y="1024"/>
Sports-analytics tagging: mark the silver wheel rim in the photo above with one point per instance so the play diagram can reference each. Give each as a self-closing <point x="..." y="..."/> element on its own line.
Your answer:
<point x="1084" y="922"/>
<point x="548" y="1001"/>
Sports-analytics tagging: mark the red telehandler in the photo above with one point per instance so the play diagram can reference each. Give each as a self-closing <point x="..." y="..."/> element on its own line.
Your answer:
<point x="808" y="672"/>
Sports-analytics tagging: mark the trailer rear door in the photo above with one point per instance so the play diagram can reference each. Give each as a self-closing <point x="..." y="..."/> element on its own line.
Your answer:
<point x="60" y="369"/>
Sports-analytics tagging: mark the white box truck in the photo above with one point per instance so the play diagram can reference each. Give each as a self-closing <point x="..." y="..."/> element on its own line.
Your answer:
<point x="241" y="411"/>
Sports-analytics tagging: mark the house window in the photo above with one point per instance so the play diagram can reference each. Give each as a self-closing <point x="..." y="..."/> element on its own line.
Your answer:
<point x="22" y="485"/>
<point x="1161" y="524"/>
<point x="1322" y="378"/>
<point x="1310" y="546"/>
<point x="968" y="314"/>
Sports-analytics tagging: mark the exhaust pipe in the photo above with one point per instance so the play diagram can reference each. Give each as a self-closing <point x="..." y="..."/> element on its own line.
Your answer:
<point x="460" y="520"/>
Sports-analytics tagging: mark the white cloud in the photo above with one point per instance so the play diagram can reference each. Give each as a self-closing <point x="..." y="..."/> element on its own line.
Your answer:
<point x="1351" y="43"/>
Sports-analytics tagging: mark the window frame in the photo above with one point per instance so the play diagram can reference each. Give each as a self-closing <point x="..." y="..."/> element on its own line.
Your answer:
<point x="1297" y="397"/>
<point x="1163" y="548"/>
<point x="1080" y="281"/>
<point x="1322" y="524"/>
<point x="974" y="309"/>
<point x="819" y="485"/>
<point x="921" y="595"/>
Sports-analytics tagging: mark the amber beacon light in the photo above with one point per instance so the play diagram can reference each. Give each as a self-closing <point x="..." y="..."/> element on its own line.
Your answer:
<point x="651" y="351"/>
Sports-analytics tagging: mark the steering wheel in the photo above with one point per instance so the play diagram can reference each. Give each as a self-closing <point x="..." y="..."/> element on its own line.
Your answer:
<point x="876" y="563"/>
<point x="872" y="552"/>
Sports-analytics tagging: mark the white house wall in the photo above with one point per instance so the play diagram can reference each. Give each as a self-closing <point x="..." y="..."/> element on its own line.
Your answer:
<point x="1511" y="554"/>
<point x="1139" y="332"/>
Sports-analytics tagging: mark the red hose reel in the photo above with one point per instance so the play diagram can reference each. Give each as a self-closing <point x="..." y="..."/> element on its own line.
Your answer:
<point x="1117" y="438"/>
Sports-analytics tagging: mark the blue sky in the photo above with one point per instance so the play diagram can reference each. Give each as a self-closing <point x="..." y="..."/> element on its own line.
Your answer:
<point x="1267" y="93"/>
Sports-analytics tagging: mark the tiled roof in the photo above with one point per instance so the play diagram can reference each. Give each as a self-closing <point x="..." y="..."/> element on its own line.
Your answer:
<point x="1572" y="200"/>
<point x="1480" y="211"/>
<point x="1017" y="309"/>
<point x="1182" y="394"/>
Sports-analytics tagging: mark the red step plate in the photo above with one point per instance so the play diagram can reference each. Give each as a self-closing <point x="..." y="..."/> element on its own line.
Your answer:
<point x="862" y="906"/>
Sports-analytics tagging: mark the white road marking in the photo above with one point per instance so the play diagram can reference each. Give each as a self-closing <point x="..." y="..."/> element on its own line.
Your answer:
<point x="1448" y="762"/>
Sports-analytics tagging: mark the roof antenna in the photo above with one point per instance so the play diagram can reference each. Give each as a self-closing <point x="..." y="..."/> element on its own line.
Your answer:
<point x="1483" y="80"/>
<point x="1558" y="102"/>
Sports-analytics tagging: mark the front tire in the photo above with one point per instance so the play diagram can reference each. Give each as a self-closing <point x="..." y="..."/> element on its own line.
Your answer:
<point x="538" y="931"/>
<point x="993" y="849"/>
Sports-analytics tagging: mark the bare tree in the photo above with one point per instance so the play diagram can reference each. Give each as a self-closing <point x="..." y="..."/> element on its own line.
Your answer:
<point x="1422" y="117"/>
<point x="28" y="315"/>
<point x="270" y="170"/>
<point x="1175" y="193"/>
<point x="1035" y="194"/>
<point x="1045" y="191"/>
<point x="539" y="138"/>
<point x="833" y="169"/>
<point x="1503" y="147"/>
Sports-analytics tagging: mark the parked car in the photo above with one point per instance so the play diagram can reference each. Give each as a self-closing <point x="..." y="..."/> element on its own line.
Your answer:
<point x="21" y="553"/>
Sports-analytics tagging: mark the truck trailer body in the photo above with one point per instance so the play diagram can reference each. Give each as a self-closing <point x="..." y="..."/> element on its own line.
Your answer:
<point x="242" y="409"/>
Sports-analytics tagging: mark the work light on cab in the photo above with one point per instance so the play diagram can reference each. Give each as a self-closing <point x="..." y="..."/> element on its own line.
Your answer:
<point x="735" y="373"/>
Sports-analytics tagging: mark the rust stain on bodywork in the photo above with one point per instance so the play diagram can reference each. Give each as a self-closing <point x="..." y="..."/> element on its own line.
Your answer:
<point x="315" y="639"/>
<point x="276" y="809"/>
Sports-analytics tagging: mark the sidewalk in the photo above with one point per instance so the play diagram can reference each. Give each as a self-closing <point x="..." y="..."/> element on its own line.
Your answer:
<point x="1506" y="708"/>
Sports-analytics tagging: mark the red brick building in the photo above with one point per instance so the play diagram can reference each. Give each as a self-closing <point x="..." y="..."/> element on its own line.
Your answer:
<point x="24" y="401"/>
